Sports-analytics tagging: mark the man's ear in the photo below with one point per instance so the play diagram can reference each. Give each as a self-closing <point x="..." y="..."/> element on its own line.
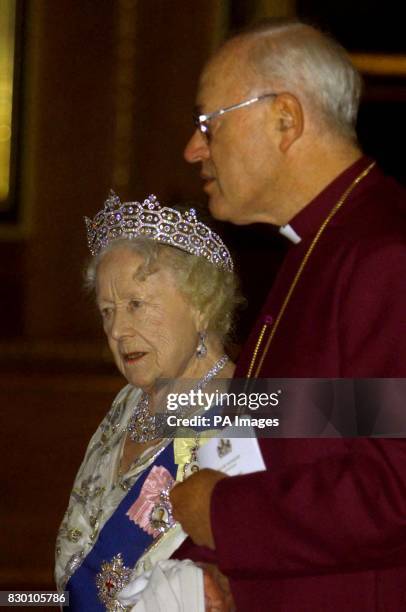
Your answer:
<point x="290" y="120"/>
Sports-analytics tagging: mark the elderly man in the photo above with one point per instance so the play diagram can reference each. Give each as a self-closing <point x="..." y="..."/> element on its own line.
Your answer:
<point x="324" y="528"/>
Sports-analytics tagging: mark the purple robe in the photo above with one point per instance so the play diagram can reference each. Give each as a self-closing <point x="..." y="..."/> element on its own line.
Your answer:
<point x="324" y="528"/>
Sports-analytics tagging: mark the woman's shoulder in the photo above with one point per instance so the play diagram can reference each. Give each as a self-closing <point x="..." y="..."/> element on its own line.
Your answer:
<point x="125" y="398"/>
<point x="127" y="394"/>
<point x="112" y="423"/>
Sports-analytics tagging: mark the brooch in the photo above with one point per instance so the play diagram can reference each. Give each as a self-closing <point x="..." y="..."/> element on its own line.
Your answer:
<point x="113" y="577"/>
<point x="152" y="511"/>
<point x="160" y="517"/>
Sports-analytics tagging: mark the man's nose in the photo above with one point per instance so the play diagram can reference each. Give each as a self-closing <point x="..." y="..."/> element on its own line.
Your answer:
<point x="197" y="149"/>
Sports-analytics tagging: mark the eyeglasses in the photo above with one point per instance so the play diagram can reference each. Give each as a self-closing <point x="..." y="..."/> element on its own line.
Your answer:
<point x="202" y="122"/>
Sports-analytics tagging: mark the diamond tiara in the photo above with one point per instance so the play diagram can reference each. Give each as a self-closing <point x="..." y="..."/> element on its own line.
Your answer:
<point x="163" y="224"/>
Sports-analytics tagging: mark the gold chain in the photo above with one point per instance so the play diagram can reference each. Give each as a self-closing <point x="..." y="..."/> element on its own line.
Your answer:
<point x="298" y="274"/>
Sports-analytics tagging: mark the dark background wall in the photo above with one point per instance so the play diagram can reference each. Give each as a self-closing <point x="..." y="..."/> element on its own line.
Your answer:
<point x="106" y="93"/>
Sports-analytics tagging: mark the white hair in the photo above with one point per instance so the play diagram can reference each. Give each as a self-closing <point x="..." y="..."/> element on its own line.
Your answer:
<point x="212" y="290"/>
<point x="309" y="64"/>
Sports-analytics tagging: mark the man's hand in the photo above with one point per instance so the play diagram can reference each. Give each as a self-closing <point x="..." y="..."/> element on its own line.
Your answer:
<point x="191" y="505"/>
<point x="217" y="593"/>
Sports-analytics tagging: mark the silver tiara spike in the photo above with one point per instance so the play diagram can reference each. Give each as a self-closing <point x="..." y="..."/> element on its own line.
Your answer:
<point x="163" y="224"/>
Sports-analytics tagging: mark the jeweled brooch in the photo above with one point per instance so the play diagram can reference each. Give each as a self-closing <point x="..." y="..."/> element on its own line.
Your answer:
<point x="113" y="577"/>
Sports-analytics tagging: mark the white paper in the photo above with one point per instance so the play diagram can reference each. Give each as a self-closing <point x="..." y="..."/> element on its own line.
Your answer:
<point x="171" y="586"/>
<point x="230" y="455"/>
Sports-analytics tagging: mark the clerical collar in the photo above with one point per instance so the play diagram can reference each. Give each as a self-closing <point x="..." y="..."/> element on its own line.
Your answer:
<point x="289" y="233"/>
<point x="307" y="222"/>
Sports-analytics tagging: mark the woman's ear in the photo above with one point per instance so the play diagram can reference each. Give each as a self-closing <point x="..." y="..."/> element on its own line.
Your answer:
<point x="200" y="321"/>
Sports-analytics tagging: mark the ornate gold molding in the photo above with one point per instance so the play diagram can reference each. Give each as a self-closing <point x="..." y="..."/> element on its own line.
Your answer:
<point x="7" y="47"/>
<point x="380" y="64"/>
<point x="29" y="130"/>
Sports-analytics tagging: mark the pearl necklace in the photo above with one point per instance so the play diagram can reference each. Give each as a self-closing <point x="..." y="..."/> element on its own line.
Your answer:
<point x="144" y="426"/>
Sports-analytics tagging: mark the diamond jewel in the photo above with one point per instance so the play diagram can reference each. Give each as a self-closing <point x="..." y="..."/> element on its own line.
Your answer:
<point x="132" y="219"/>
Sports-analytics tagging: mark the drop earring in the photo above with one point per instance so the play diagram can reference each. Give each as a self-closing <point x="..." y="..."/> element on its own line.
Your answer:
<point x="201" y="350"/>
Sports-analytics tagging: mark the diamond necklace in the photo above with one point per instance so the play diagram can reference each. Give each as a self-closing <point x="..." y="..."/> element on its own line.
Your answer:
<point x="144" y="426"/>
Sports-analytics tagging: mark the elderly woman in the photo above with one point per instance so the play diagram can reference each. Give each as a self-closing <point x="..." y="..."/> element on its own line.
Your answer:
<point x="166" y="292"/>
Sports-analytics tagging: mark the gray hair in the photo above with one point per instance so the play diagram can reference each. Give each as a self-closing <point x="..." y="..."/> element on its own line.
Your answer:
<point x="212" y="290"/>
<point x="310" y="64"/>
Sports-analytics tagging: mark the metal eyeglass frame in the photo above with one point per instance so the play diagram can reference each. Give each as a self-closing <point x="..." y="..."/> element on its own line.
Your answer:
<point x="201" y="120"/>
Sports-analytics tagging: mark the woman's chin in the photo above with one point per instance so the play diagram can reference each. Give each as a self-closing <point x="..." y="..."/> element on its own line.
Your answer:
<point x="140" y="379"/>
<point x="145" y="384"/>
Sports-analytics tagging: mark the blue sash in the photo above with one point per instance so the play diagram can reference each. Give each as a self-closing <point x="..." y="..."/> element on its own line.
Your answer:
<point x="119" y="535"/>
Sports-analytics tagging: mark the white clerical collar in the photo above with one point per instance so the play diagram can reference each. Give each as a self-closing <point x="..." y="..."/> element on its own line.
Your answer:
<point x="289" y="233"/>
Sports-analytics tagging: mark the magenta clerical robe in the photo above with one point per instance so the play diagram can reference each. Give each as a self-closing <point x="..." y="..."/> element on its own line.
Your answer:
<point x="324" y="528"/>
